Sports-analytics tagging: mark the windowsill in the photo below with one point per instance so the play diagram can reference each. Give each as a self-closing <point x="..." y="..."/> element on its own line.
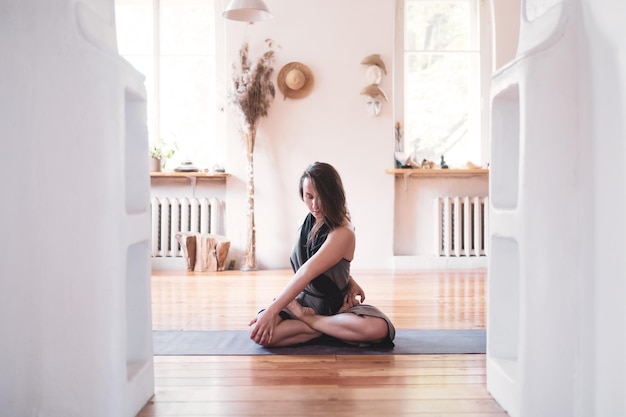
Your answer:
<point x="437" y="172"/>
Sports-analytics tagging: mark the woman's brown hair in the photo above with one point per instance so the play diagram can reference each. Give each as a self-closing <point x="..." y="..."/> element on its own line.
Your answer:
<point x="332" y="198"/>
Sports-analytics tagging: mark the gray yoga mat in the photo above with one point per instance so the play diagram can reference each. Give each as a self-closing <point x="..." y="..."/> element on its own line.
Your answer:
<point x="237" y="342"/>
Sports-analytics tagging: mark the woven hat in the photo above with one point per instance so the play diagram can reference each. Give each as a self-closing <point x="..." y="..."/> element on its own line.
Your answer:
<point x="295" y="80"/>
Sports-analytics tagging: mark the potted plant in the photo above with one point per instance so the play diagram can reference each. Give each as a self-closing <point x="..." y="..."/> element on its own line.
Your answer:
<point x="160" y="152"/>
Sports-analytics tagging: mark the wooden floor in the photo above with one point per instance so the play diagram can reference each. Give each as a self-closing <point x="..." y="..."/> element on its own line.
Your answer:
<point x="331" y="385"/>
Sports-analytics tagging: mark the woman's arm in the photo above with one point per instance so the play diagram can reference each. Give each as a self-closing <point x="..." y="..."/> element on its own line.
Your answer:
<point x="339" y="244"/>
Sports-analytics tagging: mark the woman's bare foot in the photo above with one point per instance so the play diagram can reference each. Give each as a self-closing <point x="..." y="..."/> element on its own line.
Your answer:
<point x="298" y="310"/>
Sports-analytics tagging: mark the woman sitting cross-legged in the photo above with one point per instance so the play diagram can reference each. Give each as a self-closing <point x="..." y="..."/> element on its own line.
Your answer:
<point x="322" y="298"/>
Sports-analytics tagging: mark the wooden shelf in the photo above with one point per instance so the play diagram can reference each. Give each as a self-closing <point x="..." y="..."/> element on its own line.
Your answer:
<point x="191" y="176"/>
<point x="175" y="174"/>
<point x="438" y="172"/>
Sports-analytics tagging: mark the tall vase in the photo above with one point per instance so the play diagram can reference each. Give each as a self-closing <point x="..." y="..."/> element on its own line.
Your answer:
<point x="249" y="261"/>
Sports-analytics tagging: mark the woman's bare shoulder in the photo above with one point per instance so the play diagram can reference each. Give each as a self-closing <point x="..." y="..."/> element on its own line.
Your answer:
<point x="346" y="229"/>
<point x="343" y="235"/>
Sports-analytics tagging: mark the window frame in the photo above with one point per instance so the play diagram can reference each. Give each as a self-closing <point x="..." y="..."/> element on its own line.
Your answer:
<point x="485" y="74"/>
<point x="211" y="145"/>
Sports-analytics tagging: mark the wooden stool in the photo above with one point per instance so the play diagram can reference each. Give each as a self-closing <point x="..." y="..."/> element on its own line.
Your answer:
<point x="204" y="251"/>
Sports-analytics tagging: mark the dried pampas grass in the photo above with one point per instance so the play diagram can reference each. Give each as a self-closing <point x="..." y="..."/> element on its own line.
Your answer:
<point x="251" y="95"/>
<point x="252" y="90"/>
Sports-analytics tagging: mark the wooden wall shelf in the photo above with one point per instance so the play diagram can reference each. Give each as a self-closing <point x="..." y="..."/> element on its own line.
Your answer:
<point x="191" y="176"/>
<point x="204" y="175"/>
<point x="438" y="172"/>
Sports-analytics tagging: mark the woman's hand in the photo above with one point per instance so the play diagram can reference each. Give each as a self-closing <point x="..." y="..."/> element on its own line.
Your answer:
<point x="354" y="296"/>
<point x="263" y="326"/>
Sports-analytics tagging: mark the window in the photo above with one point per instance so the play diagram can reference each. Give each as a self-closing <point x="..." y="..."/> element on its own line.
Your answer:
<point x="442" y="81"/>
<point x="172" y="42"/>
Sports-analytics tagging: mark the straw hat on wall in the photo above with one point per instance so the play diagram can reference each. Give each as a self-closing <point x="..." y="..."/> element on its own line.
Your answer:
<point x="295" y="80"/>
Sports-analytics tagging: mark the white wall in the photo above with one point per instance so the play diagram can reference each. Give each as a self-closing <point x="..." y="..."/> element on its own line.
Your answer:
<point x="603" y="288"/>
<point x="329" y="125"/>
<point x="74" y="266"/>
<point x="557" y="318"/>
<point x="415" y="226"/>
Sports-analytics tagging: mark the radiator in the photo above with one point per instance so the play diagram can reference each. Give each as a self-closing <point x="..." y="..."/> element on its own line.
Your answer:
<point x="171" y="215"/>
<point x="461" y="226"/>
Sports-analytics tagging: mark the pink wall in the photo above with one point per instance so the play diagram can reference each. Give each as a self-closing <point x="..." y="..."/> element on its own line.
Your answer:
<point x="329" y="125"/>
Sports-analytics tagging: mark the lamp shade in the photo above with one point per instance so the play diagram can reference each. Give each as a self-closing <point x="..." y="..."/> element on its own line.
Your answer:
<point x="247" y="11"/>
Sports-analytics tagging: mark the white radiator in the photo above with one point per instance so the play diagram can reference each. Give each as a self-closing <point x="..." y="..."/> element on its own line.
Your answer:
<point x="171" y="215"/>
<point x="461" y="226"/>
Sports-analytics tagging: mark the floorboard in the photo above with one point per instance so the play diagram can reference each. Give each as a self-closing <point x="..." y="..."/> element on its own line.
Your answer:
<point x="329" y="386"/>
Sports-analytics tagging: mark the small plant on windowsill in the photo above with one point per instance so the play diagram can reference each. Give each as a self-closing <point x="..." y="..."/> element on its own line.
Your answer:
<point x="160" y="152"/>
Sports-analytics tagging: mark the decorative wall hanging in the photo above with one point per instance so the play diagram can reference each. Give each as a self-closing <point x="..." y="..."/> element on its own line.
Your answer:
<point x="295" y="80"/>
<point x="374" y="96"/>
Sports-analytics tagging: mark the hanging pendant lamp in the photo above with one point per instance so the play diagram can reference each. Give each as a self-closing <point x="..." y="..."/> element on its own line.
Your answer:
<point x="247" y="11"/>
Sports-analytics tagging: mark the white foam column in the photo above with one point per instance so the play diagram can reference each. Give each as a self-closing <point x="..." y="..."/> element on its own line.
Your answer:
<point x="74" y="293"/>
<point x="533" y="267"/>
<point x="556" y="316"/>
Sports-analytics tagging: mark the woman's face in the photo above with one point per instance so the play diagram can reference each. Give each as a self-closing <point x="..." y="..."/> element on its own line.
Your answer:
<point x="311" y="198"/>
